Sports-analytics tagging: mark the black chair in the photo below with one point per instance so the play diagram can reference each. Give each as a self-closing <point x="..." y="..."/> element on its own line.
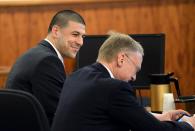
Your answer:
<point x="21" y="111"/>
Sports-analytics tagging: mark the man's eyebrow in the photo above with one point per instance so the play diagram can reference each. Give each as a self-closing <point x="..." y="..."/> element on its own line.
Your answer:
<point x="77" y="32"/>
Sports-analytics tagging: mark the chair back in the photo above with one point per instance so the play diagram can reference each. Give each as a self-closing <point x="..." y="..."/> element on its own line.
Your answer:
<point x="21" y="111"/>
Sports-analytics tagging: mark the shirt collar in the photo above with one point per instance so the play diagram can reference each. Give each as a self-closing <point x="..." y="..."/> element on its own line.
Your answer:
<point x="111" y="75"/>
<point x="58" y="53"/>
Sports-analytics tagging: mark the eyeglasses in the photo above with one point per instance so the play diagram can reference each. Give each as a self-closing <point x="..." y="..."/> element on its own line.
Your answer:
<point x="137" y="67"/>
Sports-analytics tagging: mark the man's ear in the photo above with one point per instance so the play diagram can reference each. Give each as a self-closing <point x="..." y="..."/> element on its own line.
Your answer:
<point x="55" y="31"/>
<point x="120" y="59"/>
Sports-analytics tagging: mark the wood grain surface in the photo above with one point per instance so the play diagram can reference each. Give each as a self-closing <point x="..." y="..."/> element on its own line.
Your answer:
<point x="22" y="27"/>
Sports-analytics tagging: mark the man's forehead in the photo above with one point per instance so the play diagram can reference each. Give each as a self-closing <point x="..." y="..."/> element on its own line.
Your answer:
<point x="76" y="27"/>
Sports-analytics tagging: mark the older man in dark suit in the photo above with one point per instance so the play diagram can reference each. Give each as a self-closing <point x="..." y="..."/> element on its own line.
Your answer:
<point x="99" y="97"/>
<point x="40" y="71"/>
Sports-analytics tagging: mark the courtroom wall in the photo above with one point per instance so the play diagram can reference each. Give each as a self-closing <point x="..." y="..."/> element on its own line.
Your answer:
<point x="23" y="26"/>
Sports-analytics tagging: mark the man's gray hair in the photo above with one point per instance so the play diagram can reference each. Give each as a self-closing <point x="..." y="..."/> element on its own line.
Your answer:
<point x="118" y="42"/>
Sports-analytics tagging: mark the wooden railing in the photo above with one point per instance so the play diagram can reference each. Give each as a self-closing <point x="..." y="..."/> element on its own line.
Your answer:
<point x="51" y="2"/>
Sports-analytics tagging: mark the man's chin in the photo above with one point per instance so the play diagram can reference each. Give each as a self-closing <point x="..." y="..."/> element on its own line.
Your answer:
<point x="74" y="55"/>
<point x="71" y="56"/>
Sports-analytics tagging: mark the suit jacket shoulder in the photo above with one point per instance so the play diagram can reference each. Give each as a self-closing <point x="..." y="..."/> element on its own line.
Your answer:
<point x="40" y="72"/>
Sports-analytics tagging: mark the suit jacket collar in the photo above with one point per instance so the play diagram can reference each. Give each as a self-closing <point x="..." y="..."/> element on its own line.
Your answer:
<point x="101" y="68"/>
<point x="98" y="66"/>
<point x="46" y="44"/>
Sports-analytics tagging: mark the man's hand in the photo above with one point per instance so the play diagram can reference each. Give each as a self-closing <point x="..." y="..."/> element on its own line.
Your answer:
<point x="189" y="120"/>
<point x="170" y="115"/>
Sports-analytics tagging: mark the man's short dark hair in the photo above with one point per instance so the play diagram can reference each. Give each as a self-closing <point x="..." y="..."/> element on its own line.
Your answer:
<point x="62" y="18"/>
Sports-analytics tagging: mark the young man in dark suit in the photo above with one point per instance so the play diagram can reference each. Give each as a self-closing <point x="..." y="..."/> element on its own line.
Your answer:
<point x="99" y="97"/>
<point x="40" y="71"/>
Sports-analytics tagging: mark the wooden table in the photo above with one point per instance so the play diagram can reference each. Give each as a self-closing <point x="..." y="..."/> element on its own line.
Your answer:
<point x="186" y="104"/>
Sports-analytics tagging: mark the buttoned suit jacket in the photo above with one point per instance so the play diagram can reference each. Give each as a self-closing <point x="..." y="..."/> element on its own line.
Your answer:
<point x="40" y="72"/>
<point x="93" y="101"/>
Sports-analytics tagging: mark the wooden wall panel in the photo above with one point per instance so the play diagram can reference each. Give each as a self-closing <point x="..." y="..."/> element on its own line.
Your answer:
<point x="21" y="27"/>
